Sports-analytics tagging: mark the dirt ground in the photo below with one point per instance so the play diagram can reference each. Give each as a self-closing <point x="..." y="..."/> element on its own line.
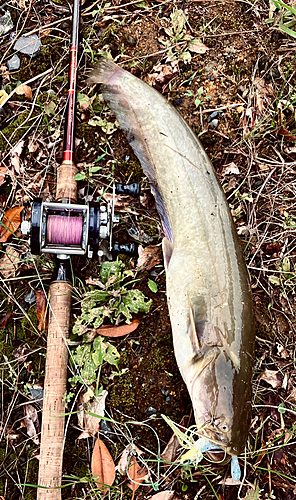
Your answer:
<point x="229" y="68"/>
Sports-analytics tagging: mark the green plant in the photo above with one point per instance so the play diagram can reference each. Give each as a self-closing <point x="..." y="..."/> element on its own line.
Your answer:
<point x="287" y="275"/>
<point x="89" y="171"/>
<point x="180" y="44"/>
<point x="111" y="299"/>
<point x="285" y="18"/>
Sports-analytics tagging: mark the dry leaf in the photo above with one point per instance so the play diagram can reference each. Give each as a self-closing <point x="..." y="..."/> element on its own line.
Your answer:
<point x="170" y="452"/>
<point x="136" y="474"/>
<point x="118" y="331"/>
<point x="88" y="423"/>
<point x="4" y="319"/>
<point x="32" y="146"/>
<point x="163" y="495"/>
<point x="22" y="4"/>
<point x="282" y="351"/>
<point x="231" y="168"/>
<point x="272" y="377"/>
<point x="102" y="465"/>
<point x="9" y="263"/>
<point x="148" y="257"/>
<point x="31" y="422"/>
<point x="124" y="461"/>
<point x="41" y="310"/>
<point x="12" y="220"/>
<point x="24" y="90"/>
<point x="287" y="134"/>
<point x="15" y="154"/>
<point x="3" y="171"/>
<point x="198" y="47"/>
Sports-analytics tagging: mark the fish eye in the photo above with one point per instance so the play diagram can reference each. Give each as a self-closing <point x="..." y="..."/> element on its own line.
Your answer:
<point x="223" y="427"/>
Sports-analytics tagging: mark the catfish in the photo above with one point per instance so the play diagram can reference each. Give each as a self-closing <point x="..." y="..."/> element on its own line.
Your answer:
<point x="208" y="291"/>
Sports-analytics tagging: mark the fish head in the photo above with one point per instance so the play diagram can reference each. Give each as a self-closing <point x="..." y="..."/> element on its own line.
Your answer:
<point x="221" y="400"/>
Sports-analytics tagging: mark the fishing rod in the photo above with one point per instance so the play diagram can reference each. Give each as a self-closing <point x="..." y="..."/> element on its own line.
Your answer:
<point x="66" y="228"/>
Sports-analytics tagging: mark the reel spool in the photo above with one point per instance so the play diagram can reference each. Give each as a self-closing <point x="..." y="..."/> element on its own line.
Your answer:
<point x="72" y="229"/>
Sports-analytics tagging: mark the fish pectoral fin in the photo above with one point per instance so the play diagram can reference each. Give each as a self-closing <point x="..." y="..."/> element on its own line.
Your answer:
<point x="195" y="341"/>
<point x="167" y="250"/>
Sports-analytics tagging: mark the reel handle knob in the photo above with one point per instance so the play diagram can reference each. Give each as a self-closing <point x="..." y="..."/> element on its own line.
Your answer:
<point x="129" y="249"/>
<point x="128" y="189"/>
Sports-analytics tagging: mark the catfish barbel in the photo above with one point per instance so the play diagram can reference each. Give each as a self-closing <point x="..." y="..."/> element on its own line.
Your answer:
<point x="209" y="298"/>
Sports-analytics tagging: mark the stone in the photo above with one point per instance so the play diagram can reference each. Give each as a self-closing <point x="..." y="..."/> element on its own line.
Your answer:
<point x="6" y="23"/>
<point x="14" y="63"/>
<point x="28" y="45"/>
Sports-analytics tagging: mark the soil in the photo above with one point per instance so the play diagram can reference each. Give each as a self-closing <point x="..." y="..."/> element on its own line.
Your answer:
<point x="245" y="72"/>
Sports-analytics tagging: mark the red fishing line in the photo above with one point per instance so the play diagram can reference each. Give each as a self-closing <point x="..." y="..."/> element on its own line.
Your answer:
<point x="63" y="230"/>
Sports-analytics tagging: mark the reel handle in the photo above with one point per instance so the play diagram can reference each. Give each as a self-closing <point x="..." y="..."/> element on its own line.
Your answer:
<point x="133" y="189"/>
<point x="130" y="249"/>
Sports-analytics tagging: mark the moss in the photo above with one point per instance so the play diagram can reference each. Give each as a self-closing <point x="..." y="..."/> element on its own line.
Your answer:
<point x="131" y="169"/>
<point x="11" y="128"/>
<point x="32" y="478"/>
<point x="27" y="330"/>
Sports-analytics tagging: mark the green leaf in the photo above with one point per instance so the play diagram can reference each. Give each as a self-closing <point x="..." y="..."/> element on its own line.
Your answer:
<point x="95" y="169"/>
<point x="285" y="6"/>
<point x="50" y="108"/>
<point x="286" y="267"/>
<point x="281" y="408"/>
<point x="142" y="5"/>
<point x="288" y="31"/>
<point x="253" y="494"/>
<point x="153" y="286"/>
<point x="80" y="177"/>
<point x="274" y="280"/>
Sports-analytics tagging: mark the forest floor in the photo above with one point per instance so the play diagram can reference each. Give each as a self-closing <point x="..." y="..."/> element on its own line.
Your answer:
<point x="229" y="68"/>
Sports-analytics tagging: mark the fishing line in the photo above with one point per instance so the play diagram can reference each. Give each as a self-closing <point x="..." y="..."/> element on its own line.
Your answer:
<point x="63" y="230"/>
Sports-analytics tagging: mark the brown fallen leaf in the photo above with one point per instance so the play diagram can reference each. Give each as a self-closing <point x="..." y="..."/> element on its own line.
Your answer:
<point x="4" y="319"/>
<point x="272" y="377"/>
<point x="287" y="134"/>
<point x="9" y="262"/>
<point x="163" y="495"/>
<point x="118" y="331"/>
<point x="41" y="310"/>
<point x="88" y="423"/>
<point x="15" y="154"/>
<point x="124" y="461"/>
<point x="31" y="422"/>
<point x="3" y="171"/>
<point x="24" y="90"/>
<point x="149" y="257"/>
<point x="170" y="452"/>
<point x="102" y="465"/>
<point x="136" y="474"/>
<point x="198" y="47"/>
<point x="12" y="220"/>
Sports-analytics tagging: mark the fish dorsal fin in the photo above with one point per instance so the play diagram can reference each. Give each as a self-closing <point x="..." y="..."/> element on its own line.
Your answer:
<point x="195" y="342"/>
<point x="167" y="250"/>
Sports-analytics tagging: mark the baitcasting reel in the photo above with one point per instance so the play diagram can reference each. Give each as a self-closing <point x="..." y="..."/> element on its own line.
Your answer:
<point x="71" y="229"/>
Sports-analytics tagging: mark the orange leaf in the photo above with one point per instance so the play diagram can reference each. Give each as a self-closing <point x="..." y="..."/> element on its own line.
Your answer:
<point x="118" y="331"/>
<point x="24" y="90"/>
<point x="163" y="495"/>
<point x="12" y="220"/>
<point x="137" y="474"/>
<point x="41" y="309"/>
<point x="102" y="465"/>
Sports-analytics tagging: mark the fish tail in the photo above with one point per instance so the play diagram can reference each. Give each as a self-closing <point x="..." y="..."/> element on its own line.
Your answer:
<point x="127" y="109"/>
